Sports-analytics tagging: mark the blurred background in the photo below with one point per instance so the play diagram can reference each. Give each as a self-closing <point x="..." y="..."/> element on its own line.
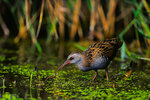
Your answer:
<point x="56" y="21"/>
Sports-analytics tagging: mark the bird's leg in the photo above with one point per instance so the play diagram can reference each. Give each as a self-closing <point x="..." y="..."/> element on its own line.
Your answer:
<point x="96" y="73"/>
<point x="106" y="70"/>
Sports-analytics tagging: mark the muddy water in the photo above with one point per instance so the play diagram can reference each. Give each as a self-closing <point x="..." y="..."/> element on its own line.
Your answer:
<point x="24" y="75"/>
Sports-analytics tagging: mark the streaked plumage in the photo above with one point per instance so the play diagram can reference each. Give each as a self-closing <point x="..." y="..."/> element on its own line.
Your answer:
<point x="97" y="56"/>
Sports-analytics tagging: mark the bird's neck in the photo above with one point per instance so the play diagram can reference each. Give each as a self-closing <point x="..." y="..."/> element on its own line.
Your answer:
<point x="82" y="63"/>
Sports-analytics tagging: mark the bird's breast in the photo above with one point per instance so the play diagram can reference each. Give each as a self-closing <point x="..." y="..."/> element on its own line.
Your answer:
<point x="83" y="66"/>
<point x="100" y="63"/>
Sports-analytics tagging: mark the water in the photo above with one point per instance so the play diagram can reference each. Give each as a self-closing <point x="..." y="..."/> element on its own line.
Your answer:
<point x="24" y="73"/>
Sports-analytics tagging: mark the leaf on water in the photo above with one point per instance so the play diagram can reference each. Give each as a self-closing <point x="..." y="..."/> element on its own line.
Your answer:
<point x="128" y="74"/>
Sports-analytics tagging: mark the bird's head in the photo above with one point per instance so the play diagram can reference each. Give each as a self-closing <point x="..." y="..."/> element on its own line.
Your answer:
<point x="73" y="58"/>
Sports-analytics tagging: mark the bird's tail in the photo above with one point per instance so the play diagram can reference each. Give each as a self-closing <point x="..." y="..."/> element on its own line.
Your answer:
<point x="119" y="43"/>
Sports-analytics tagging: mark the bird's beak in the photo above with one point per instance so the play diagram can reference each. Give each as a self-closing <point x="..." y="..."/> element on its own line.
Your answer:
<point x="64" y="64"/>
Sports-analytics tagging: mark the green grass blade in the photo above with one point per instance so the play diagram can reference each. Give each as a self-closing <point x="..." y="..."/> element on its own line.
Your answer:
<point x="123" y="48"/>
<point x="128" y="52"/>
<point x="141" y="32"/>
<point x="126" y="29"/>
<point x="79" y="46"/>
<point x="140" y="57"/>
<point x="138" y="10"/>
<point x="32" y="32"/>
<point x="38" y="47"/>
<point x="145" y="25"/>
<point x="89" y="3"/>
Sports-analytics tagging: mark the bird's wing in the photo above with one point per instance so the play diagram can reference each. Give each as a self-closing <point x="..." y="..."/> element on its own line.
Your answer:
<point x="107" y="48"/>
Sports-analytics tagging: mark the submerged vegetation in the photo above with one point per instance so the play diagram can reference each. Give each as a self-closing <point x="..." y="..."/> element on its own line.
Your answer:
<point x="35" y="42"/>
<point x="35" y="79"/>
<point x="72" y="83"/>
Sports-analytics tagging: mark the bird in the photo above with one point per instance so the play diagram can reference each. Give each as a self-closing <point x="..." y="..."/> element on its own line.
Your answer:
<point x="95" y="57"/>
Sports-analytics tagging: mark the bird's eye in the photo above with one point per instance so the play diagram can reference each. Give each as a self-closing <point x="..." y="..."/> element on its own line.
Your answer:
<point x="71" y="58"/>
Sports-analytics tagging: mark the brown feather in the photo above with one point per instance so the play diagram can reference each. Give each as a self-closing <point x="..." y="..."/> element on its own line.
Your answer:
<point x="107" y="48"/>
